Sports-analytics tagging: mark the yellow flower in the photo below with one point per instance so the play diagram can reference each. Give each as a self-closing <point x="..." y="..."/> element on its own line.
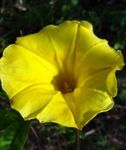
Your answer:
<point x="63" y="74"/>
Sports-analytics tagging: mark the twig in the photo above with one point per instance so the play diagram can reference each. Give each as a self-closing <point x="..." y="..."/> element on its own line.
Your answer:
<point x="41" y="145"/>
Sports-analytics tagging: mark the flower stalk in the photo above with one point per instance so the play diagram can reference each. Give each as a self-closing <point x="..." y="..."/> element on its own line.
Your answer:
<point x="77" y="139"/>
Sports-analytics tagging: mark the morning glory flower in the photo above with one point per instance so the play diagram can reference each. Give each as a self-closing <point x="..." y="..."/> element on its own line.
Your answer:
<point x="63" y="74"/>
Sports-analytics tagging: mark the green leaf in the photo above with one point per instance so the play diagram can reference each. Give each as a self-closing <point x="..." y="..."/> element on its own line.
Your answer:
<point x="7" y="117"/>
<point x="14" y="130"/>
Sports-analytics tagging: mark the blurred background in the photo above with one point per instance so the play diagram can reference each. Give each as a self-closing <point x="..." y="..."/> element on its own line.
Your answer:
<point x="108" y="130"/>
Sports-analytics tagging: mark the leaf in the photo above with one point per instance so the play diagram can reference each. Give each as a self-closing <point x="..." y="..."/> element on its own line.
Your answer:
<point x="14" y="130"/>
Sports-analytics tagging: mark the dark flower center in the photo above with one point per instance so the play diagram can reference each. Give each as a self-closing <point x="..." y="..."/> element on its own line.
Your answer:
<point x="64" y="83"/>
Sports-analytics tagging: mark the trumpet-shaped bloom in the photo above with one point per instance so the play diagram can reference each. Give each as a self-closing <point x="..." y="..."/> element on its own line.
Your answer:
<point x="63" y="74"/>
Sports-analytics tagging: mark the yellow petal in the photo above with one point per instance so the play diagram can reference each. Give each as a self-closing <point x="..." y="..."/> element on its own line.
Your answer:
<point x="57" y="111"/>
<point x="111" y="84"/>
<point x="45" y="104"/>
<point x="53" y="42"/>
<point x="103" y="80"/>
<point x="93" y="53"/>
<point x="39" y="44"/>
<point x="102" y="56"/>
<point x="20" y="69"/>
<point x="87" y="103"/>
<point x="98" y="58"/>
<point x="31" y="100"/>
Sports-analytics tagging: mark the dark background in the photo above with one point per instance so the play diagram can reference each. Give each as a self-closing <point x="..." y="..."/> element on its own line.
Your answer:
<point x="108" y="130"/>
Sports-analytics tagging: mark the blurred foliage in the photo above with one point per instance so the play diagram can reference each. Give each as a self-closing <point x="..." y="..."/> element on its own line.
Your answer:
<point x="13" y="130"/>
<point x="107" y="131"/>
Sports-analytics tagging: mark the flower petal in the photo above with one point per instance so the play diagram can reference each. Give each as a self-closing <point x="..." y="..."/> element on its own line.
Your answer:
<point x="87" y="103"/>
<point x="103" y="80"/>
<point x="58" y="111"/>
<point x="67" y="44"/>
<point x="52" y="42"/>
<point x="101" y="63"/>
<point x="20" y="68"/>
<point x="102" y="56"/>
<point x="39" y="44"/>
<point x="30" y="101"/>
<point x="111" y="83"/>
<point x="94" y="54"/>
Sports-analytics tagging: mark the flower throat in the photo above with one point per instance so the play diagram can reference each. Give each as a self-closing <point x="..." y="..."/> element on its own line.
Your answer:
<point x="64" y="83"/>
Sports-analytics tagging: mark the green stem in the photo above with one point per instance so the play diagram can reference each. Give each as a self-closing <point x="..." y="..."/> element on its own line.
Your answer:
<point x="78" y="139"/>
